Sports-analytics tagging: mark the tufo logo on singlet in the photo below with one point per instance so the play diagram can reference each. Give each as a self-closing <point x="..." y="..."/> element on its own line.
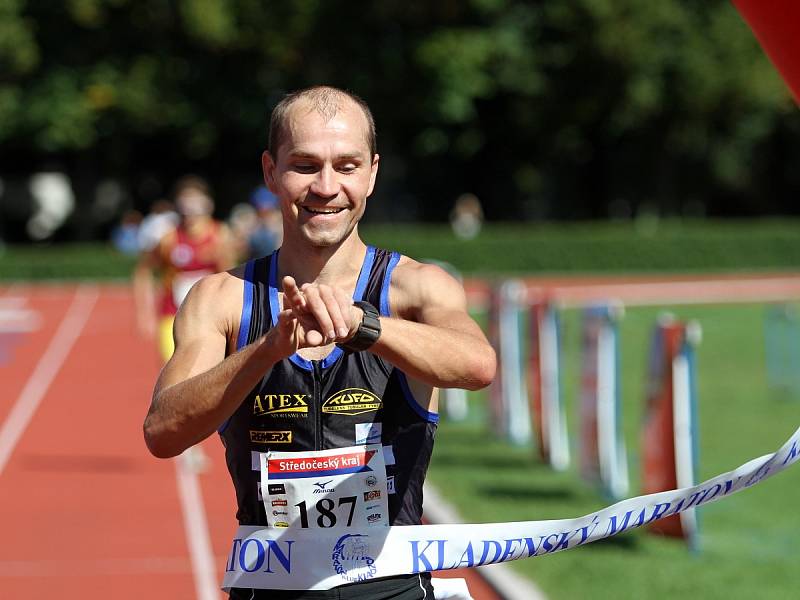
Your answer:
<point x="352" y="401"/>
<point x="270" y="437"/>
<point x="281" y="405"/>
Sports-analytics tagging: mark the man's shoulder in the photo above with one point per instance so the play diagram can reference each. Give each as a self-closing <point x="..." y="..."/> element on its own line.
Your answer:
<point x="215" y="300"/>
<point x="222" y="289"/>
<point x="415" y="284"/>
<point x="414" y="272"/>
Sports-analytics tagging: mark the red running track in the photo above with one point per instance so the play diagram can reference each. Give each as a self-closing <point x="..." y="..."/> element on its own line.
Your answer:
<point x="85" y="511"/>
<point x="640" y="290"/>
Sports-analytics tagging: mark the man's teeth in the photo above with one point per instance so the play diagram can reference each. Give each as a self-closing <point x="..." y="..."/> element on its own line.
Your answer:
<point x="323" y="211"/>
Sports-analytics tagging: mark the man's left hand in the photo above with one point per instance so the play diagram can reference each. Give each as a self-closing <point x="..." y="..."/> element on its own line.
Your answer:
<point x="326" y="313"/>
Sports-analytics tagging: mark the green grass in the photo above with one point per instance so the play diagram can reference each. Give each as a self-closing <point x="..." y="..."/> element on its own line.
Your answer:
<point x="64" y="261"/>
<point x="749" y="542"/>
<point x="666" y="246"/>
<point x="504" y="248"/>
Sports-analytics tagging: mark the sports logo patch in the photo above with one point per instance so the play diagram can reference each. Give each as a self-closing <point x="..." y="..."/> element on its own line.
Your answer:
<point x="352" y="402"/>
<point x="276" y="488"/>
<point x="281" y="405"/>
<point x="280" y="502"/>
<point x="260" y="436"/>
<point x="372" y="495"/>
<point x="322" y="487"/>
<point x="368" y="433"/>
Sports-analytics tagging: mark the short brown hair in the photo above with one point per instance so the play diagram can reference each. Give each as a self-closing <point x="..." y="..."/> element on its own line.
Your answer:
<point x="326" y="101"/>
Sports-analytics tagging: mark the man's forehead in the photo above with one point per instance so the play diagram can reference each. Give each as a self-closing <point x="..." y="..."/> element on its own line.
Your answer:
<point x="304" y="121"/>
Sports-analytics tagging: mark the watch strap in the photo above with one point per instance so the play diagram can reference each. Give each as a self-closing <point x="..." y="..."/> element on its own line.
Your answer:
<point x="368" y="332"/>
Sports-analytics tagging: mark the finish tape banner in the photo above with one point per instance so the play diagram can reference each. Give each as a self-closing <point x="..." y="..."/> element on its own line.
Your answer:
<point x="318" y="559"/>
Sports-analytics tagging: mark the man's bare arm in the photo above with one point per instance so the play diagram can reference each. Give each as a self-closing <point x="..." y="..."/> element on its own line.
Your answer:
<point x="199" y="388"/>
<point x="434" y="340"/>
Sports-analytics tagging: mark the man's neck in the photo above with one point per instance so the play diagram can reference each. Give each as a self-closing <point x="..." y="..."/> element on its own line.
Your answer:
<point x="332" y="265"/>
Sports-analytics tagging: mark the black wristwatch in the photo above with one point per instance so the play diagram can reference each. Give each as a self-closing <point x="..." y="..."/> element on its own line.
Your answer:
<point x="368" y="332"/>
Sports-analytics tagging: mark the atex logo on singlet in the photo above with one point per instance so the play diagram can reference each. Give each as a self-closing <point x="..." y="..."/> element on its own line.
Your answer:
<point x="352" y="401"/>
<point x="287" y="405"/>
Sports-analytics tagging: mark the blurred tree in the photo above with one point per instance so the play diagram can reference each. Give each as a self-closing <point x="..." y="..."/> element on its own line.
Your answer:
<point x="578" y="105"/>
<point x="581" y="109"/>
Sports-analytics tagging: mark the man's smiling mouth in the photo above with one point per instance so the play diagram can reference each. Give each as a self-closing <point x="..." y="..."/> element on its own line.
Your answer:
<point x="322" y="210"/>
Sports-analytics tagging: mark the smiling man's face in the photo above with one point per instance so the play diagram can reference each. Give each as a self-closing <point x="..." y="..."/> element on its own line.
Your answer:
<point x="323" y="173"/>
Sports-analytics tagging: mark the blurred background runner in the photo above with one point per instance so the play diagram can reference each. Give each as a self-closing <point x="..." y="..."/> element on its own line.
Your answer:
<point x="196" y="246"/>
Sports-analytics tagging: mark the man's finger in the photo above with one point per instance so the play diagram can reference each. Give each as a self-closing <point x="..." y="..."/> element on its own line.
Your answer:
<point x="314" y="338"/>
<point x="319" y="310"/>
<point x="345" y="302"/>
<point x="338" y="318"/>
<point x="288" y="326"/>
<point x="286" y="320"/>
<point x="292" y="294"/>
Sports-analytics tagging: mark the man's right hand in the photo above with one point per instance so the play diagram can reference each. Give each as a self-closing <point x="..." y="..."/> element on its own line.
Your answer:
<point x="315" y="315"/>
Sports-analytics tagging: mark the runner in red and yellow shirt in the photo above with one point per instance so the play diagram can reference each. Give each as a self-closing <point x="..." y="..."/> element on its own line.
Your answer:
<point x="199" y="246"/>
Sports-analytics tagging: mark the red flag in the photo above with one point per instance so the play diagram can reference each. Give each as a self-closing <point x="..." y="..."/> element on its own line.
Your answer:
<point x="776" y="24"/>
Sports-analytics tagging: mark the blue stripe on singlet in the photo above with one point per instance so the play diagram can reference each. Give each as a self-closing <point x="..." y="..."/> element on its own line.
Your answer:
<point x="358" y="294"/>
<point x="247" y="305"/>
<point x="401" y="377"/>
<point x="387" y="279"/>
<point x="274" y="300"/>
<point x="431" y="417"/>
<point x="363" y="277"/>
<point x="247" y="311"/>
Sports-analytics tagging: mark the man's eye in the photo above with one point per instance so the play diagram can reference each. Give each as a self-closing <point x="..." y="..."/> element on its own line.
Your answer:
<point x="348" y="168"/>
<point x="304" y="168"/>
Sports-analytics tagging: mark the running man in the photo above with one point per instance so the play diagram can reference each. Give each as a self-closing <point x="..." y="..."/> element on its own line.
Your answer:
<point x="198" y="246"/>
<point x="326" y="343"/>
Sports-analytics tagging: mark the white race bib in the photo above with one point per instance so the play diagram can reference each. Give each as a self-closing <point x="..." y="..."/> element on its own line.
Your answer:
<point x="343" y="487"/>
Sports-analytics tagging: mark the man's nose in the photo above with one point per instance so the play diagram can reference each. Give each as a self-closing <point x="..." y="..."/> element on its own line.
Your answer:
<point x="325" y="184"/>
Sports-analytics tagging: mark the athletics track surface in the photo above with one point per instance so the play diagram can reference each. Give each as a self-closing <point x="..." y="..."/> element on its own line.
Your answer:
<point x="85" y="511"/>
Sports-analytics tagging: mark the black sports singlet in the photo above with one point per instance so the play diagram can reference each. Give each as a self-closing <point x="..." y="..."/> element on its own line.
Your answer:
<point x="345" y="399"/>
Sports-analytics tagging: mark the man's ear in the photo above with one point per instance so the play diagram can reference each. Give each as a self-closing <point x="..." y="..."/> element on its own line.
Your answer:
<point x="373" y="173"/>
<point x="268" y="167"/>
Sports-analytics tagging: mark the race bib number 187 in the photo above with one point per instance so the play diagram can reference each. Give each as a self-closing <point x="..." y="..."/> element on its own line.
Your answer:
<point x="343" y="487"/>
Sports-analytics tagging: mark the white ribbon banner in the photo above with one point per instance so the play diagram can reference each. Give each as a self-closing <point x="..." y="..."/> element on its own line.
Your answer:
<point x="318" y="559"/>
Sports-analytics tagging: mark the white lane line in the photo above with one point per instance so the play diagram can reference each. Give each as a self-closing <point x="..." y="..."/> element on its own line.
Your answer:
<point x="46" y="370"/>
<point x="195" y="524"/>
<point x="15" y="317"/>
<point x="95" y="567"/>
